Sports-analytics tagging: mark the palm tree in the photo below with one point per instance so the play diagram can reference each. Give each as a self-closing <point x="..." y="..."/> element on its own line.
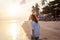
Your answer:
<point x="53" y="7"/>
<point x="43" y="2"/>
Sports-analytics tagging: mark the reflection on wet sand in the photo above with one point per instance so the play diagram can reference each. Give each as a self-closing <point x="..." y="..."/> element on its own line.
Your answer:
<point x="11" y="30"/>
<point x="26" y="27"/>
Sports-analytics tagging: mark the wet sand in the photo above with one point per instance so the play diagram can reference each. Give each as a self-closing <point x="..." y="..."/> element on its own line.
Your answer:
<point x="48" y="30"/>
<point x="11" y="30"/>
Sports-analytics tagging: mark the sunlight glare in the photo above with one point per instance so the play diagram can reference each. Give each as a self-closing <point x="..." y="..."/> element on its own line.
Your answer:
<point x="13" y="10"/>
<point x="13" y="30"/>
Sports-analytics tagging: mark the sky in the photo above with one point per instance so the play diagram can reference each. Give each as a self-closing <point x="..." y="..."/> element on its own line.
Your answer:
<point x="16" y="8"/>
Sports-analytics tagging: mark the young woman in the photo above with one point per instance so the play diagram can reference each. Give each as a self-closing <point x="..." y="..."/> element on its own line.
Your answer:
<point x="35" y="28"/>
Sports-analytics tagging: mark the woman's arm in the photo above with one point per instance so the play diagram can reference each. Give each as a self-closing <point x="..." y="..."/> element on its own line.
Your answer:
<point x="32" y="26"/>
<point x="32" y="32"/>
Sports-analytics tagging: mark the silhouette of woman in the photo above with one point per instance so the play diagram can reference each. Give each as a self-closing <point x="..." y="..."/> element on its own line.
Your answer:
<point x="35" y="28"/>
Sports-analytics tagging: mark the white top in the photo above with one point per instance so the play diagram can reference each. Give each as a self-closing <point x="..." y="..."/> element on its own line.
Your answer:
<point x="36" y="27"/>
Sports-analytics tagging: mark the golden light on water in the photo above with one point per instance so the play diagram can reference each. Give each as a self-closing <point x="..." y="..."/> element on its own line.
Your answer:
<point x="17" y="32"/>
<point x="13" y="30"/>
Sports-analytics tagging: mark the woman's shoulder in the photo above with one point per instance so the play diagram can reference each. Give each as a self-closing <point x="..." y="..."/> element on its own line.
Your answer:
<point x="33" y="22"/>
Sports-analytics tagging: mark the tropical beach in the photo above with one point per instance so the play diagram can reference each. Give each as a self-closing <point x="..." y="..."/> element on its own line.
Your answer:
<point x="15" y="19"/>
<point x="14" y="31"/>
<point x="48" y="30"/>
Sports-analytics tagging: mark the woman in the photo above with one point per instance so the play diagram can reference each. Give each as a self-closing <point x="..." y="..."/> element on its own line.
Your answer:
<point x="35" y="28"/>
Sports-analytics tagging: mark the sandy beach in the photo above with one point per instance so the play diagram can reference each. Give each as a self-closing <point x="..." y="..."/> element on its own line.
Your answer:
<point x="49" y="30"/>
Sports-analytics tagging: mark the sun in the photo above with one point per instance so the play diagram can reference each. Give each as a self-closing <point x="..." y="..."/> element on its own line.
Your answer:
<point x="12" y="10"/>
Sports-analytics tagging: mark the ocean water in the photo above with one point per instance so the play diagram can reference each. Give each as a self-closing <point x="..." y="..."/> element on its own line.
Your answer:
<point x="12" y="30"/>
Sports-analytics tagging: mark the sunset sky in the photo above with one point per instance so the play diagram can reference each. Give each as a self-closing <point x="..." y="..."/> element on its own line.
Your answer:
<point x="16" y="8"/>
